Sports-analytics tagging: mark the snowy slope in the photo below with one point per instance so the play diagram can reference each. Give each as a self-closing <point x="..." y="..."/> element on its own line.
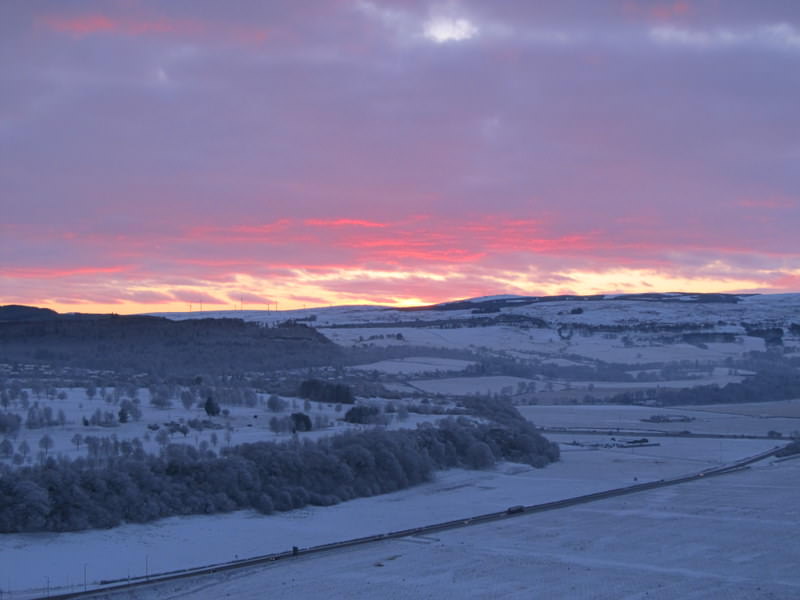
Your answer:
<point x="778" y="309"/>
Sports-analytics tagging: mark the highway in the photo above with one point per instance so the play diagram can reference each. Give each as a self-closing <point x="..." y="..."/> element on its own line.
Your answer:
<point x="110" y="586"/>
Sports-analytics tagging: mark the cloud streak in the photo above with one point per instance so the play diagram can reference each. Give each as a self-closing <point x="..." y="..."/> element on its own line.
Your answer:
<point x="83" y="25"/>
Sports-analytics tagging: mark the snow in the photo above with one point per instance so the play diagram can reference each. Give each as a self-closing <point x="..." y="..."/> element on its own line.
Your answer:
<point x="630" y="417"/>
<point x="786" y="409"/>
<point x="469" y="386"/>
<point x="183" y="542"/>
<point x="657" y="545"/>
<point x="244" y="424"/>
<point x="729" y="537"/>
<point x="779" y="308"/>
<point x="416" y="365"/>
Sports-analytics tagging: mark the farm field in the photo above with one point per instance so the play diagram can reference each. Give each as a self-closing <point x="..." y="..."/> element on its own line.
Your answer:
<point x="415" y="365"/>
<point x="789" y="409"/>
<point x="730" y="537"/>
<point x="468" y="386"/>
<point x="528" y="343"/>
<point x="630" y="417"/>
<point x="182" y="542"/>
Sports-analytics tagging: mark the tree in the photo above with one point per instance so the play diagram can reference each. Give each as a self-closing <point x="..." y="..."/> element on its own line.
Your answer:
<point x="131" y="408"/>
<point x="275" y="425"/>
<point x="9" y="423"/>
<point x="187" y="399"/>
<point x="211" y="407"/>
<point x="361" y="414"/>
<point x="46" y="443"/>
<point x="77" y="439"/>
<point x="122" y="415"/>
<point x="301" y="422"/>
<point x="276" y="404"/>
<point x="23" y="448"/>
<point x="324" y="391"/>
<point x="162" y="437"/>
<point x="6" y="448"/>
<point x="402" y="412"/>
<point x="160" y="399"/>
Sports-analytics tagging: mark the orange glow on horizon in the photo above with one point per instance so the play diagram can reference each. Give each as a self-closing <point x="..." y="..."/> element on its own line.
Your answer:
<point x="410" y="289"/>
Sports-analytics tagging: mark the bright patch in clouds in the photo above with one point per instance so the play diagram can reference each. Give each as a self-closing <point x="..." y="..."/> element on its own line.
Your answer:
<point x="442" y="30"/>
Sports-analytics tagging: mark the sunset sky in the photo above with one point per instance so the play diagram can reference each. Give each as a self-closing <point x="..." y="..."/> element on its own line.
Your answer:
<point x="157" y="155"/>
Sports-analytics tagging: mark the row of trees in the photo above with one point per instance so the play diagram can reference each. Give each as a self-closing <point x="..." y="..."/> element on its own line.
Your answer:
<point x="137" y="344"/>
<point x="63" y="495"/>
<point x="326" y="391"/>
<point x="765" y="386"/>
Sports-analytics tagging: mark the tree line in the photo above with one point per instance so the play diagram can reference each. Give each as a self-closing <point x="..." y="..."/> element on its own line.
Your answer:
<point x="96" y="492"/>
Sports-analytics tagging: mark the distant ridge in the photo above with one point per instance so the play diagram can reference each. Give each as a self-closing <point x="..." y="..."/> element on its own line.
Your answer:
<point x="495" y="303"/>
<point x="139" y="343"/>
<point x="17" y="312"/>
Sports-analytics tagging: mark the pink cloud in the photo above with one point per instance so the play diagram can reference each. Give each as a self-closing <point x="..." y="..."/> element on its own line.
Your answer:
<point x="58" y="273"/>
<point x="786" y="282"/>
<point x="771" y="203"/>
<point x="80" y="26"/>
<point x="343" y="223"/>
<point x="657" y="11"/>
<point x="92" y="24"/>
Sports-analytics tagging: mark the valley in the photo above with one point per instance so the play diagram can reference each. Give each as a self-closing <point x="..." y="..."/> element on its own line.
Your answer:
<point x="603" y="384"/>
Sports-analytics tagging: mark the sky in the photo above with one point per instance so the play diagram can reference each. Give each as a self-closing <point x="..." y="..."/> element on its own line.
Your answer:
<point x="190" y="154"/>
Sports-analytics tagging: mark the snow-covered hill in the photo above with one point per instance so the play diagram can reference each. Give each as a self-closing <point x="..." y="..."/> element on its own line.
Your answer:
<point x="773" y="309"/>
<point x="776" y="310"/>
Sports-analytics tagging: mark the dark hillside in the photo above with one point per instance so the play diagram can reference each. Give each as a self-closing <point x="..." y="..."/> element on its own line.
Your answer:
<point x="16" y="312"/>
<point x="156" y="345"/>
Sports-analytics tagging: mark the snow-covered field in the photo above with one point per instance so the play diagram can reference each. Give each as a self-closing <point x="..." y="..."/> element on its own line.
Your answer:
<point x="28" y="559"/>
<point x="415" y="365"/>
<point x="630" y="417"/>
<point x="599" y="348"/>
<point x="783" y="408"/>
<point x="469" y="386"/>
<point x="726" y="538"/>
<point x="539" y="343"/>
<point x="242" y="424"/>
